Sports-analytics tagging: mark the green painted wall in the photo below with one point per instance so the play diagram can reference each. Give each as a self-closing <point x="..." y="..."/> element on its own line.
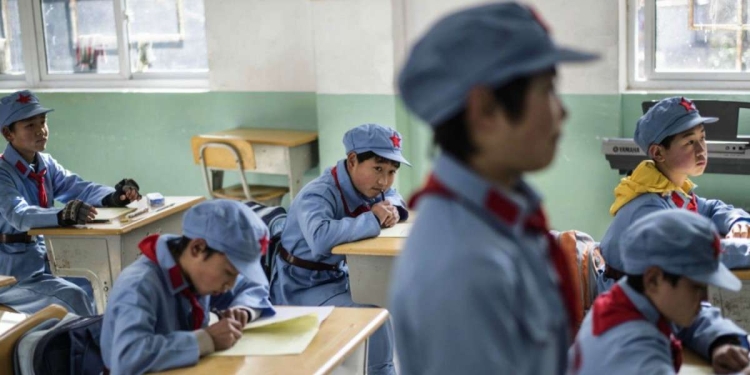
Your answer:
<point x="107" y="136"/>
<point x="577" y="188"/>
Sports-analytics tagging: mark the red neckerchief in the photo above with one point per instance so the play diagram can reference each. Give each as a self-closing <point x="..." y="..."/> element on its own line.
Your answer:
<point x="614" y="308"/>
<point x="360" y="210"/>
<point x="148" y="248"/>
<point x="678" y="201"/>
<point x="38" y="177"/>
<point x="507" y="211"/>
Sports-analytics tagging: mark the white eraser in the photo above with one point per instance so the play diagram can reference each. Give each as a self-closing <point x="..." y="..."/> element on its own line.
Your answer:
<point x="155" y="200"/>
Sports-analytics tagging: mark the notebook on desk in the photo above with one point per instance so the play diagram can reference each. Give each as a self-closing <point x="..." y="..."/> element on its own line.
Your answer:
<point x="290" y="331"/>
<point x="107" y="214"/>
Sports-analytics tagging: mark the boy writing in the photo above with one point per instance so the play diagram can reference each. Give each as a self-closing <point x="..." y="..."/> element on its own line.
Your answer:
<point x="157" y="315"/>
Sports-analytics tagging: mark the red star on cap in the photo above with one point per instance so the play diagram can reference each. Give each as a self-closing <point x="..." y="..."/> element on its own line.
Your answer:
<point x="23" y="99"/>
<point x="717" y="247"/>
<point x="539" y="19"/>
<point x="396" y="140"/>
<point x="688" y="105"/>
<point x="263" y="244"/>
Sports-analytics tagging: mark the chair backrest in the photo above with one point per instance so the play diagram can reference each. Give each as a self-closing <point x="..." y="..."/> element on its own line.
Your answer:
<point x="583" y="253"/>
<point x="9" y="338"/>
<point x="223" y="158"/>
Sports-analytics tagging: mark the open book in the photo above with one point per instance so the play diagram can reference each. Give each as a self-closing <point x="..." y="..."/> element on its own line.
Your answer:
<point x="290" y="331"/>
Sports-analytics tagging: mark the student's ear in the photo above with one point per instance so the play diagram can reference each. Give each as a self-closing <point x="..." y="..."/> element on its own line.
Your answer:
<point x="7" y="133"/>
<point x="657" y="152"/>
<point x="652" y="278"/>
<point x="480" y="109"/>
<point x="196" y="247"/>
<point x="351" y="159"/>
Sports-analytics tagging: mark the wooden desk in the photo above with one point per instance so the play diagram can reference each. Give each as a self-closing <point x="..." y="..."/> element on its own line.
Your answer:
<point x="99" y="252"/>
<point x="273" y="151"/>
<point x="7" y="280"/>
<point x="370" y="264"/>
<point x="338" y="343"/>
<point x="692" y="364"/>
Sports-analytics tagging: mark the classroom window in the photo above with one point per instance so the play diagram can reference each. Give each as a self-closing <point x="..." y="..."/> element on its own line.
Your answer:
<point x="103" y="43"/>
<point x="11" y="51"/>
<point x="168" y="38"/>
<point x="681" y="42"/>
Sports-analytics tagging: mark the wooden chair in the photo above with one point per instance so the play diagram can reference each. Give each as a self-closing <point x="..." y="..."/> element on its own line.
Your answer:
<point x="9" y="338"/>
<point x="217" y="155"/>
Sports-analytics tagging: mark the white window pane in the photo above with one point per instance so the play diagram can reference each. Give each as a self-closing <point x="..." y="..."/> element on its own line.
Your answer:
<point x="639" y="49"/>
<point x="11" y="51"/>
<point x="80" y="36"/>
<point x="167" y="36"/>
<point x="700" y="36"/>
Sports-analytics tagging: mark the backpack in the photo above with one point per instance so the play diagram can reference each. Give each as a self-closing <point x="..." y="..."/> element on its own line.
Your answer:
<point x="69" y="347"/>
<point x="275" y="218"/>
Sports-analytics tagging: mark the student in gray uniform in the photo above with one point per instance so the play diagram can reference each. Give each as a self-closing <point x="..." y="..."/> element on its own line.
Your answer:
<point x="669" y="258"/>
<point x="481" y="288"/>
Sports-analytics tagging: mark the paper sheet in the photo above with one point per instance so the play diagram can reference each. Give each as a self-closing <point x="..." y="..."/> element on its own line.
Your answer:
<point x="290" y="331"/>
<point x="104" y="214"/>
<point x="8" y="320"/>
<point x="284" y="313"/>
<point x="283" y="338"/>
<point x="399" y="230"/>
<point x="687" y="369"/>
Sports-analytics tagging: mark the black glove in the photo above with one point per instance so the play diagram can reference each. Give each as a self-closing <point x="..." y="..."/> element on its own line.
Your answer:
<point x="113" y="200"/>
<point x="74" y="212"/>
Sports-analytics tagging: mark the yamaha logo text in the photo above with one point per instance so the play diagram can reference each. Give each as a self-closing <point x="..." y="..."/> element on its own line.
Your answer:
<point x="625" y="149"/>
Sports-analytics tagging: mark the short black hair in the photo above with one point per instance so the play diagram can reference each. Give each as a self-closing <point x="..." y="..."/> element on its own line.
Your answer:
<point x="636" y="281"/>
<point x="378" y="159"/>
<point x="178" y="245"/>
<point x="668" y="141"/>
<point x="452" y="136"/>
<point x="12" y="127"/>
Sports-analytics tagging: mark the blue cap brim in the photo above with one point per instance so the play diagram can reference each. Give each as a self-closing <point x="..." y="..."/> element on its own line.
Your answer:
<point x="686" y="126"/>
<point x="392" y="156"/>
<point x="571" y="55"/>
<point x="27" y="112"/>
<point x="244" y="267"/>
<point x="721" y="278"/>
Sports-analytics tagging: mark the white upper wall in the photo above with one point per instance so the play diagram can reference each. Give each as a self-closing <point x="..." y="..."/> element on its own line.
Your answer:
<point x="353" y="46"/>
<point x="357" y="46"/>
<point x="597" y="31"/>
<point x="260" y="45"/>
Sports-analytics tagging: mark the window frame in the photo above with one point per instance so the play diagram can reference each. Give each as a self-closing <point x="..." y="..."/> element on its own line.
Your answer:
<point x="669" y="80"/>
<point x="36" y="75"/>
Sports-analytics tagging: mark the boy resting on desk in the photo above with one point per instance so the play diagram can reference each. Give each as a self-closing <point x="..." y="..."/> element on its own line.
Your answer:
<point x="30" y="182"/>
<point x="157" y="314"/>
<point x="669" y="258"/>
<point x="672" y="133"/>
<point x="349" y="202"/>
